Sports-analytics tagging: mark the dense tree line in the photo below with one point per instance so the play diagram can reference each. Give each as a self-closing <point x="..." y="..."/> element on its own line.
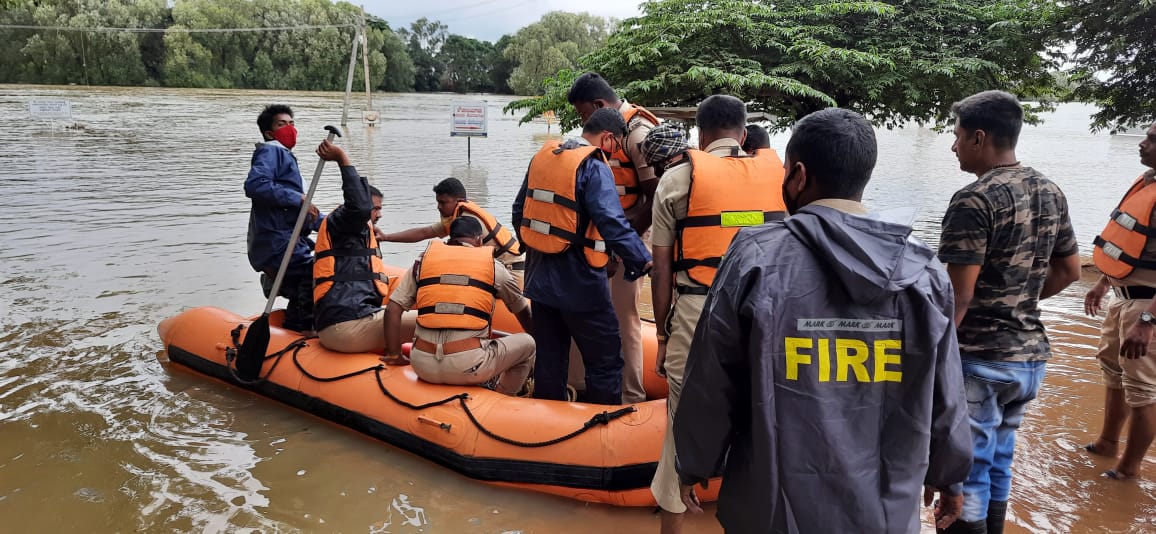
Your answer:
<point x="895" y="60"/>
<point x="423" y="57"/>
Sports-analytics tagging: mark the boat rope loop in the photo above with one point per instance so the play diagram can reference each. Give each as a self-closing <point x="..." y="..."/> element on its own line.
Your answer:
<point x="603" y="418"/>
<point x="231" y="356"/>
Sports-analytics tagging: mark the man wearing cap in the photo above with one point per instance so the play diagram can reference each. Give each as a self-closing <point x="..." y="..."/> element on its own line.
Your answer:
<point x="692" y="228"/>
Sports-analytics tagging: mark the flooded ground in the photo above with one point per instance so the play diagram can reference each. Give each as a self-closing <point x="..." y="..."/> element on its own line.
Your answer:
<point x="139" y="213"/>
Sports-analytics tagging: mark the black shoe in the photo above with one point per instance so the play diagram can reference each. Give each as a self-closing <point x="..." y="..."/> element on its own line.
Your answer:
<point x="996" y="510"/>
<point x="965" y="527"/>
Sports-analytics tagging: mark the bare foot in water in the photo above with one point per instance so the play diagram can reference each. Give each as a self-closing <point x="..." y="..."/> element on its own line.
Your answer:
<point x="1119" y="474"/>
<point x="1103" y="447"/>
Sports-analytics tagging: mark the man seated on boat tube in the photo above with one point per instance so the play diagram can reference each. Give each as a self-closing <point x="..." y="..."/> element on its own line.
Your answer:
<point x="453" y="203"/>
<point x="275" y="188"/>
<point x="349" y="278"/>
<point x="454" y="287"/>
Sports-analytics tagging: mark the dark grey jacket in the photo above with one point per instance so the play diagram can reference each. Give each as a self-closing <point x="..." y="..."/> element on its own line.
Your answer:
<point x="825" y="371"/>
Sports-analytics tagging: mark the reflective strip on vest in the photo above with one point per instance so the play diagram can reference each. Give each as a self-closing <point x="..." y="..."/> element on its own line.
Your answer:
<point x="551" y="213"/>
<point x="455" y="287"/>
<point x="1120" y="247"/>
<point x="726" y="194"/>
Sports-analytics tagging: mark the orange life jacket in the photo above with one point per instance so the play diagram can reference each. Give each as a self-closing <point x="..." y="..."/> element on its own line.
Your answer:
<point x="325" y="259"/>
<point x="496" y="235"/>
<point x="455" y="287"/>
<point x="1120" y="245"/>
<point x="772" y="157"/>
<point x="625" y="177"/>
<point x="726" y="194"/>
<point x="550" y="214"/>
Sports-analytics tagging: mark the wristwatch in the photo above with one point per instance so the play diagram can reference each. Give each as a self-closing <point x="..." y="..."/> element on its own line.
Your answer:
<point x="1147" y="318"/>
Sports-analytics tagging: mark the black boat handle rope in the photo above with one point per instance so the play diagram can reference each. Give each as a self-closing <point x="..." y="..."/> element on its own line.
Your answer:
<point x="603" y="418"/>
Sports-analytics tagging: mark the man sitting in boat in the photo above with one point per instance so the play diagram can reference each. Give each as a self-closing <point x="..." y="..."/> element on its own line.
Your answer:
<point x="452" y="203"/>
<point x="274" y="185"/>
<point x="348" y="275"/>
<point x="454" y="287"/>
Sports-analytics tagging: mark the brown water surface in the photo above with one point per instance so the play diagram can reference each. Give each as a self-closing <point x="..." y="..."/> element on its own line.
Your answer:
<point x="139" y="213"/>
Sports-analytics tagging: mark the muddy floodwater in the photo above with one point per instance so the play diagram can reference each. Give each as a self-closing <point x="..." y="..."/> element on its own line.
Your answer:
<point x="134" y="211"/>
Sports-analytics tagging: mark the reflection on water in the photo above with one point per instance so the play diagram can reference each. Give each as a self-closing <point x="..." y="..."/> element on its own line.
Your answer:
<point x="140" y="214"/>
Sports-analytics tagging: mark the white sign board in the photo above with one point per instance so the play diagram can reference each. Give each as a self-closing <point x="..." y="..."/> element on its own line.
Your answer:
<point x="50" y="109"/>
<point x="468" y="119"/>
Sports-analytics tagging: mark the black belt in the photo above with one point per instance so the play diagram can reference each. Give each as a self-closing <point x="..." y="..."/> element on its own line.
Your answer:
<point x="518" y="266"/>
<point x="1134" y="292"/>
<point x="691" y="290"/>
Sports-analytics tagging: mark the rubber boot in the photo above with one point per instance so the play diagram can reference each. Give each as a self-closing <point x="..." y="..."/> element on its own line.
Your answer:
<point x="965" y="527"/>
<point x="995" y="514"/>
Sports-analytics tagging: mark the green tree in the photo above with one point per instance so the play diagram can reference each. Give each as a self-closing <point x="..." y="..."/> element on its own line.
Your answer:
<point x="893" y="60"/>
<point x="1115" y="58"/>
<point x="424" y="40"/>
<point x="399" y="69"/>
<point x="553" y="43"/>
<point x="501" y="67"/>
<point x="466" y="65"/>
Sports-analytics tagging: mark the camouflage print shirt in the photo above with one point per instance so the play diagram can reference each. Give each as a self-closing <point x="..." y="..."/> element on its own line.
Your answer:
<point x="1011" y="222"/>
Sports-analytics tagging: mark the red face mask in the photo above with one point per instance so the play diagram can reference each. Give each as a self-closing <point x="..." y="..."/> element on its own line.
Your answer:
<point x="286" y="135"/>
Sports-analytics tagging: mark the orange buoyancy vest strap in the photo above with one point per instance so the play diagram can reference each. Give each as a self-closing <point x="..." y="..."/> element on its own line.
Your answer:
<point x="325" y="264"/>
<point x="621" y="166"/>
<point x="550" y="216"/>
<point x="503" y="240"/>
<point x="1118" y="249"/>
<point x="455" y="287"/>
<point x="726" y="194"/>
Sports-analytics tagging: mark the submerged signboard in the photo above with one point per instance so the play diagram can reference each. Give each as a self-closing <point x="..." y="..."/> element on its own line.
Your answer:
<point x="468" y="119"/>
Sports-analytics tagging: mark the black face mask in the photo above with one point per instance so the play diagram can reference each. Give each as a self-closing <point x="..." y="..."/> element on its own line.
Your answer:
<point x="791" y="204"/>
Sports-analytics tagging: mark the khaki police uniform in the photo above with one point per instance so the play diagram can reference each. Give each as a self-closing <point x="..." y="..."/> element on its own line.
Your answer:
<point x="670" y="205"/>
<point x="1136" y="376"/>
<point x="435" y="357"/>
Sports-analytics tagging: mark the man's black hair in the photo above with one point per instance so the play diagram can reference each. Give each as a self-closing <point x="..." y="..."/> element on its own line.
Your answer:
<point x="375" y="192"/>
<point x="465" y="227"/>
<point x="721" y="113"/>
<point x="452" y="187"/>
<point x="589" y="87"/>
<point x="265" y="119"/>
<point x="757" y="137"/>
<point x="995" y="112"/>
<point x="838" y="148"/>
<point x="605" y="120"/>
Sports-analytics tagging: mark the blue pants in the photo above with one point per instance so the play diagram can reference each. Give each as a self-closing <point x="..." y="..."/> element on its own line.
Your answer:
<point x="997" y="396"/>
<point x="297" y="286"/>
<point x="596" y="334"/>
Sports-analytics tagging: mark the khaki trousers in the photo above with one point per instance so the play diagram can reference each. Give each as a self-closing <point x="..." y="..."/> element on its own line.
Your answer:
<point x="511" y="356"/>
<point x="1136" y="376"/>
<point x="366" y="334"/>
<point x="683" y="320"/>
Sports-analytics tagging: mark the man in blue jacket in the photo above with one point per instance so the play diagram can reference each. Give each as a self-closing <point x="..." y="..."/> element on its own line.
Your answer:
<point x="825" y="368"/>
<point x="274" y="185"/>
<point x="569" y="288"/>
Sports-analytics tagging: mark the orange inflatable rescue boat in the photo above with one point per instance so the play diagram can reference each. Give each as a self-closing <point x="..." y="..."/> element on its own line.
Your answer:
<point x="593" y="453"/>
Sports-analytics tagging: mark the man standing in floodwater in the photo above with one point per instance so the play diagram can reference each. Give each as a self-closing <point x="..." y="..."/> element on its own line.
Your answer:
<point x="1008" y="243"/>
<point x="274" y="185"/>
<point x="824" y="368"/>
<point x="1126" y="253"/>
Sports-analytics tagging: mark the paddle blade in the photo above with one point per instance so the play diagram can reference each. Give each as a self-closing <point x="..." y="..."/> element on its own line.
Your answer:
<point x="252" y="354"/>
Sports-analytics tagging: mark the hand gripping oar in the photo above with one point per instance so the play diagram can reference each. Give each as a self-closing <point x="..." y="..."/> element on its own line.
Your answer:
<point x="256" y="344"/>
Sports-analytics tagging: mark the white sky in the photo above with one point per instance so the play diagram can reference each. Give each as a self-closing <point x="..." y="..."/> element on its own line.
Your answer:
<point x="488" y="20"/>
